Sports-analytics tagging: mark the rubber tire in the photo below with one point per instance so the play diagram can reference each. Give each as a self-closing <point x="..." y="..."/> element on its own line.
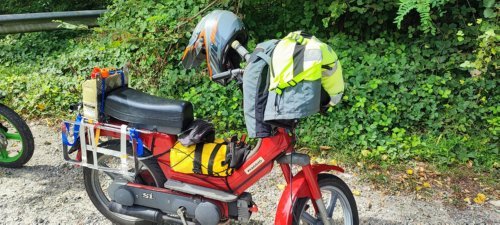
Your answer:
<point x="26" y="136"/>
<point x="150" y="163"/>
<point x="329" y="180"/>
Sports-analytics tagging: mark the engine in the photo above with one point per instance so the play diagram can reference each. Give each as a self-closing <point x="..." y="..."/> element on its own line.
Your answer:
<point x="160" y="206"/>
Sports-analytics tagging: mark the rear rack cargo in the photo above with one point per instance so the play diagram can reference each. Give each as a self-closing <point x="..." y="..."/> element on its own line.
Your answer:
<point x="89" y="135"/>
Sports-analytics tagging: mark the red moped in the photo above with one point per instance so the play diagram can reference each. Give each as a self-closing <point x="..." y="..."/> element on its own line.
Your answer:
<point x="129" y="178"/>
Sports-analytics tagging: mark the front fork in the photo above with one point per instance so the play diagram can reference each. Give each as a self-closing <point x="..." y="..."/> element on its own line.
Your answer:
<point x="311" y="178"/>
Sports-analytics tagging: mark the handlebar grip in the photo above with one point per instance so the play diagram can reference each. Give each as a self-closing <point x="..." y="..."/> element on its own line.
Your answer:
<point x="242" y="51"/>
<point x="228" y="74"/>
<point x="222" y="75"/>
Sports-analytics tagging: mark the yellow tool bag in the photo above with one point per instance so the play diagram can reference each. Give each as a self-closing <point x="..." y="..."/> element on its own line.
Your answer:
<point x="202" y="158"/>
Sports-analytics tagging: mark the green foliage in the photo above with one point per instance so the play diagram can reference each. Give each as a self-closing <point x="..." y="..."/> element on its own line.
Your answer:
<point x="488" y="46"/>
<point x="404" y="102"/>
<point x="362" y="18"/>
<point x="16" y="6"/>
<point x="423" y="7"/>
<point x="407" y="64"/>
<point x="219" y="104"/>
<point x="40" y="95"/>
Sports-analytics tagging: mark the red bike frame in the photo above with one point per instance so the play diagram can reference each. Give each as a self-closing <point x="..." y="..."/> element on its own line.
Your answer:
<point x="302" y="185"/>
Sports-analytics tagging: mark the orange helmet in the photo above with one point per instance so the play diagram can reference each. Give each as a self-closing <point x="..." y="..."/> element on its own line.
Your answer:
<point x="211" y="41"/>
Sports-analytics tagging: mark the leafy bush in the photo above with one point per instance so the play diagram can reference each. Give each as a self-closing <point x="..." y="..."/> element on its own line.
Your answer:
<point x="38" y="94"/>
<point x="404" y="102"/>
<point x="15" y="6"/>
<point x="421" y="75"/>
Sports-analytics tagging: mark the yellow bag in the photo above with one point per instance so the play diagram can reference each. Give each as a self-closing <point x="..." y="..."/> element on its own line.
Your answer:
<point x="203" y="158"/>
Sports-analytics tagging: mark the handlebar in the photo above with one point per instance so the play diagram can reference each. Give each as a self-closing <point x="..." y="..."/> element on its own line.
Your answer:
<point x="235" y="73"/>
<point x="228" y="74"/>
<point x="242" y="51"/>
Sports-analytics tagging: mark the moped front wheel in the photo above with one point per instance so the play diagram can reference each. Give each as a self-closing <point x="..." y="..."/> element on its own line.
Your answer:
<point x="339" y="202"/>
<point x="16" y="140"/>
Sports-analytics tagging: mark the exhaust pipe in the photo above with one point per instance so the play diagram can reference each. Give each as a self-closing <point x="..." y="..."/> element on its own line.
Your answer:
<point x="144" y="213"/>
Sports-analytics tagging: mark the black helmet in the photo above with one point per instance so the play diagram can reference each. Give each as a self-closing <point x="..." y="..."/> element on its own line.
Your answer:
<point x="211" y="41"/>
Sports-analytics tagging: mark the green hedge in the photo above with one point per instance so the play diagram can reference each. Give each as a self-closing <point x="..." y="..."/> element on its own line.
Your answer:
<point x="33" y="6"/>
<point x="410" y="93"/>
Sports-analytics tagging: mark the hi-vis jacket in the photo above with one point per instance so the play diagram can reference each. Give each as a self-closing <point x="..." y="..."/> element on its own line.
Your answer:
<point x="298" y="57"/>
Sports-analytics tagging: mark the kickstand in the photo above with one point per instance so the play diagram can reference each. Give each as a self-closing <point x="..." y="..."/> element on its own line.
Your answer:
<point x="182" y="214"/>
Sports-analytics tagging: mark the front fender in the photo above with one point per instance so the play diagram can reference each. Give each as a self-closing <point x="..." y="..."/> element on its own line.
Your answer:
<point x="295" y="190"/>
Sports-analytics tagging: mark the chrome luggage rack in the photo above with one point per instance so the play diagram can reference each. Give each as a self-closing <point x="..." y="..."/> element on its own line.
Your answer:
<point x="88" y="132"/>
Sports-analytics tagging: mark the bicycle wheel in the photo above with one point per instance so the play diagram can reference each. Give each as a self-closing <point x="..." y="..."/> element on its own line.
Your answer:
<point x="16" y="141"/>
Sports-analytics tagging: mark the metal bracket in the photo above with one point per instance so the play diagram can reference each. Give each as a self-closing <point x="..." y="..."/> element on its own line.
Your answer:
<point x="89" y="144"/>
<point x="181" y="212"/>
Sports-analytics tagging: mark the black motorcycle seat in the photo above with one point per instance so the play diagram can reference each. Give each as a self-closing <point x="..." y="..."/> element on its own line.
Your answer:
<point x="150" y="112"/>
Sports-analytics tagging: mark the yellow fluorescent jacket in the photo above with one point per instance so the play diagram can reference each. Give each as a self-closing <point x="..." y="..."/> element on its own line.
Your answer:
<point x="297" y="58"/>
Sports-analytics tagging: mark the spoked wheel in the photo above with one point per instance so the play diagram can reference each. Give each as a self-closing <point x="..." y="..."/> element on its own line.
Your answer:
<point x="16" y="141"/>
<point x="97" y="182"/>
<point x="339" y="202"/>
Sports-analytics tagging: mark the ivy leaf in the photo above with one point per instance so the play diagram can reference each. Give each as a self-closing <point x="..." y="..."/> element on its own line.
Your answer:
<point x="489" y="13"/>
<point x="326" y="22"/>
<point x="460" y="35"/>
<point x="488" y="3"/>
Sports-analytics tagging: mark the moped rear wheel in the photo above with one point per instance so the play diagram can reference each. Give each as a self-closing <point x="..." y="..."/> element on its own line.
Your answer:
<point x="97" y="182"/>
<point x="16" y="140"/>
<point x="339" y="202"/>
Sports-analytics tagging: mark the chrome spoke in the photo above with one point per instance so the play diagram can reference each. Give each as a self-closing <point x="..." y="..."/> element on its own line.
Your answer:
<point x="332" y="203"/>
<point x="336" y="201"/>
